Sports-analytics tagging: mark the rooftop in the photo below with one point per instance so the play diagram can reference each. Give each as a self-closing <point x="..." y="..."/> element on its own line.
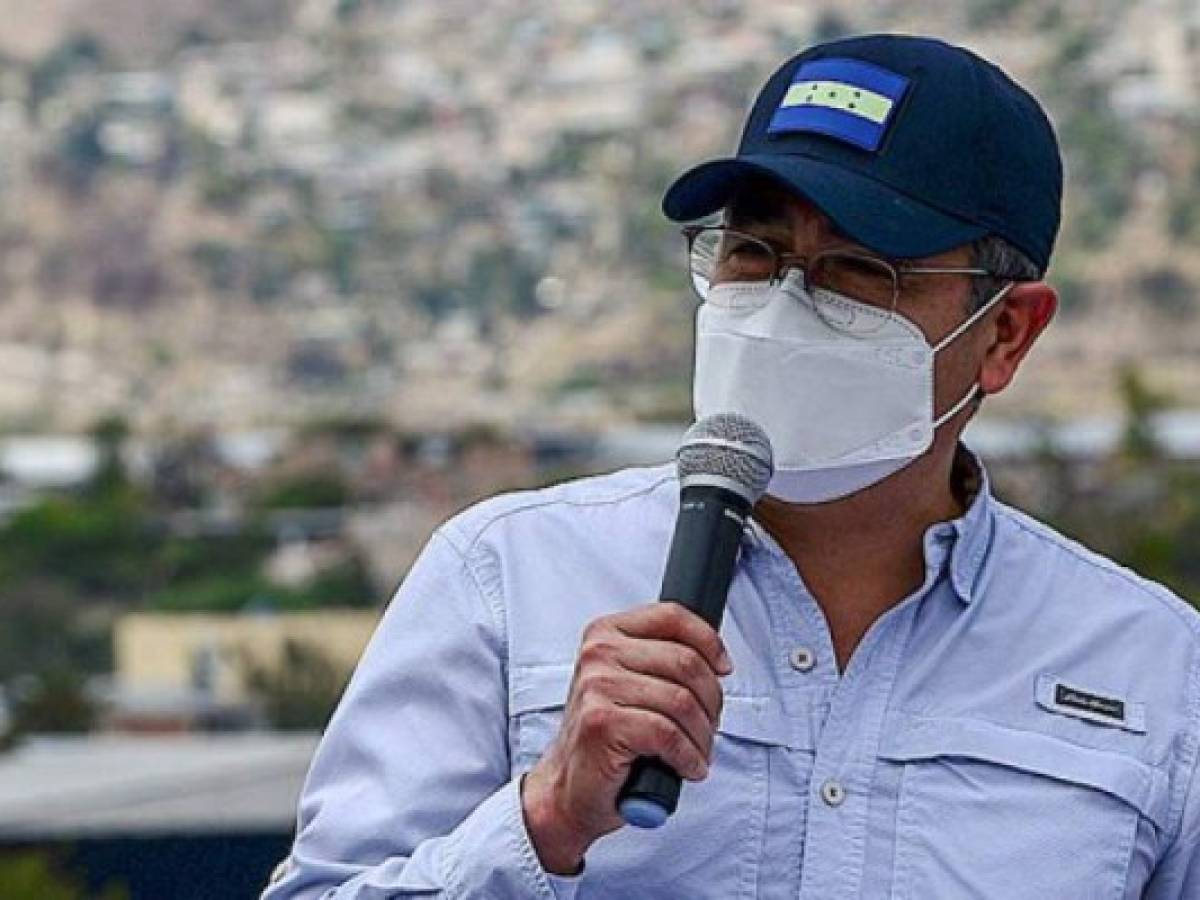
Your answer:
<point x="138" y="786"/>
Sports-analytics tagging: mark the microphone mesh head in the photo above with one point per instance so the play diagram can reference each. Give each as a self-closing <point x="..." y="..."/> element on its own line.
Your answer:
<point x="729" y="447"/>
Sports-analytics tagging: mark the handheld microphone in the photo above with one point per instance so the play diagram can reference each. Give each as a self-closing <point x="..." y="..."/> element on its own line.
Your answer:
<point x="724" y="465"/>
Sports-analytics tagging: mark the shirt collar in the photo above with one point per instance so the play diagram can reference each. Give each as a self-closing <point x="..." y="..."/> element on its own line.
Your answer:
<point x="963" y="542"/>
<point x="970" y="535"/>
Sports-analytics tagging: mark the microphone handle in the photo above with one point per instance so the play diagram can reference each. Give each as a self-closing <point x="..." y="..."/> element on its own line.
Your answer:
<point x="700" y="567"/>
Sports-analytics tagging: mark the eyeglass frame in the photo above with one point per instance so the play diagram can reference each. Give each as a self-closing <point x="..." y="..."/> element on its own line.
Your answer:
<point x="898" y="268"/>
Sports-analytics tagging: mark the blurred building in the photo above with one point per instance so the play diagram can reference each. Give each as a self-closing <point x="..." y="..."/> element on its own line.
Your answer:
<point x="192" y="672"/>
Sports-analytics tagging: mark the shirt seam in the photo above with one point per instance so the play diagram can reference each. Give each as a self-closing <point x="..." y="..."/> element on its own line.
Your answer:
<point x="1163" y="768"/>
<point x="447" y="869"/>
<point x="533" y="505"/>
<point x="491" y="601"/>
<point x="1101" y="565"/>
<point x="1190" y="758"/>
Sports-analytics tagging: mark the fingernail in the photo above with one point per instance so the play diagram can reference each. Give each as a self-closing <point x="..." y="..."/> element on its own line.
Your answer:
<point x="725" y="663"/>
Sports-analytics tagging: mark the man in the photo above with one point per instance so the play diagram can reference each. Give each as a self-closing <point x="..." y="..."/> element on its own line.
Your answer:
<point x="916" y="692"/>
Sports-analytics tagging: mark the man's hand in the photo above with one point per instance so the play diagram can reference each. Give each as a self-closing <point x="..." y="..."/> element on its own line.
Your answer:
<point x="645" y="684"/>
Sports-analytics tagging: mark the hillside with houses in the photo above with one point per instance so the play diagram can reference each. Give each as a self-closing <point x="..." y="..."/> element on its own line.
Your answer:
<point x="251" y="215"/>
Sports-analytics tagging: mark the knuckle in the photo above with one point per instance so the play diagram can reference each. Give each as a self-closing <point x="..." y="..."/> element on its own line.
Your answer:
<point x="713" y="647"/>
<point x="707" y="642"/>
<point x="595" y="682"/>
<point x="596" y="628"/>
<point x="691" y="665"/>
<point x="596" y="649"/>
<point x="691" y="623"/>
<point x="584" y="681"/>
<point x="683" y="619"/>
<point x="594" y="719"/>
<point x="674" y="616"/>
<point x="680" y="701"/>
<point x="660" y="732"/>
<point x="672" y="740"/>
<point x="666" y="610"/>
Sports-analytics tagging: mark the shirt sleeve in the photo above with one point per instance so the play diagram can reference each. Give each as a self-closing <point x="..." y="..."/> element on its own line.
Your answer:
<point x="1177" y="875"/>
<point x="410" y="792"/>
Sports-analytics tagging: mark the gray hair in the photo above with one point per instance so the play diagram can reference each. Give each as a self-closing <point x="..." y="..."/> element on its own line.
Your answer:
<point x="1005" y="261"/>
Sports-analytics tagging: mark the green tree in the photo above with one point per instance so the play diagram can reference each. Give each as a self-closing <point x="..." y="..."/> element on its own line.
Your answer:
<point x="109" y="435"/>
<point x="312" y="490"/>
<point x="78" y="54"/>
<point x="43" y="630"/>
<point x="1147" y="516"/>
<point x="98" y="545"/>
<point x="55" y="702"/>
<point x="302" y="691"/>
<point x="31" y="875"/>
<point x="1142" y="404"/>
<point x="1103" y="156"/>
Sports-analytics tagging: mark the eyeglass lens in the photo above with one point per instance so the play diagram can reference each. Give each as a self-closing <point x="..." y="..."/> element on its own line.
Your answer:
<point x="721" y="256"/>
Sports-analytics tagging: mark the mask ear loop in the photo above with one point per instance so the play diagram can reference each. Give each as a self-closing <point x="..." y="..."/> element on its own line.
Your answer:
<point x="957" y="332"/>
<point x="957" y="407"/>
<point x="974" y="317"/>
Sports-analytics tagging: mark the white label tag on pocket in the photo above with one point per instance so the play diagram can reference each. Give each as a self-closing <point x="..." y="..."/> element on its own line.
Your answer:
<point x="1101" y="707"/>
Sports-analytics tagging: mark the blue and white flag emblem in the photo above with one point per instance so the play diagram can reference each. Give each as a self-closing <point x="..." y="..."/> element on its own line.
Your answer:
<point x="848" y="99"/>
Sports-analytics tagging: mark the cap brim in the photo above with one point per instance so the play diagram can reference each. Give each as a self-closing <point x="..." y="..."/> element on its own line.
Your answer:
<point x="868" y="211"/>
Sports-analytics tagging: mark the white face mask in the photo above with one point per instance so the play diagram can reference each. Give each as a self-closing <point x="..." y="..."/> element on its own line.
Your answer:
<point x="844" y="407"/>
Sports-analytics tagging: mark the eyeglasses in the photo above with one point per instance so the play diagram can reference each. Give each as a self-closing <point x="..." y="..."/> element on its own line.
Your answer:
<point x="718" y="255"/>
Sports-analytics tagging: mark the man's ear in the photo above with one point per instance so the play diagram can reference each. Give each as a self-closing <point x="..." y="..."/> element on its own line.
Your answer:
<point x="1020" y="319"/>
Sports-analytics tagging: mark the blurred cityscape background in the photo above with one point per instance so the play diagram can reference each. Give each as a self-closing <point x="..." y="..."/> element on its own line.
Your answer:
<point x="284" y="283"/>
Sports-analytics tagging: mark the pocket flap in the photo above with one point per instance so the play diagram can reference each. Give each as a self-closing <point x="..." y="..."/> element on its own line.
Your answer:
<point x="1140" y="785"/>
<point x="750" y="718"/>
<point x="760" y="719"/>
<point x="539" y="687"/>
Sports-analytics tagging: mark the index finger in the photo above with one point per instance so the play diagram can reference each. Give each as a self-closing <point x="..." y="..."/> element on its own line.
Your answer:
<point x="672" y="621"/>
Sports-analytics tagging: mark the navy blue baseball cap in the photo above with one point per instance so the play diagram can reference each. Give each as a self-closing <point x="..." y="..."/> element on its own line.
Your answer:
<point x="910" y="145"/>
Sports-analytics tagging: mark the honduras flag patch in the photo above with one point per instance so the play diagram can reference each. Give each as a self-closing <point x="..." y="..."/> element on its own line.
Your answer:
<point x="847" y="99"/>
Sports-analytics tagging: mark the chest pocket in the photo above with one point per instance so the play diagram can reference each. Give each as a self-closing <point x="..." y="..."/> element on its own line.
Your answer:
<point x="726" y="812"/>
<point x="989" y="812"/>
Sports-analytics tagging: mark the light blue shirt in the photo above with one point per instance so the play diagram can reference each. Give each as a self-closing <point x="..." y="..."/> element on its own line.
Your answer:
<point x="1025" y="725"/>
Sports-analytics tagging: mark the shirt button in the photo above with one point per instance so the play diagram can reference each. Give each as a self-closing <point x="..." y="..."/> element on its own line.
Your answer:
<point x="833" y="793"/>
<point x="803" y="659"/>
